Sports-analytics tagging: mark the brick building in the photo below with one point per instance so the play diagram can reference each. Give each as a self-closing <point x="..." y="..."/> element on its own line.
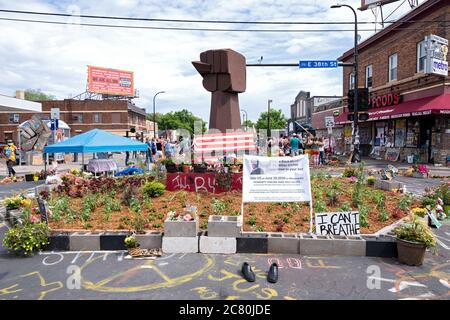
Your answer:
<point x="116" y="116"/>
<point x="409" y="105"/>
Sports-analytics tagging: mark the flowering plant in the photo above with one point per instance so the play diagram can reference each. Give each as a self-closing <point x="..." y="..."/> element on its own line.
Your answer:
<point x="352" y="179"/>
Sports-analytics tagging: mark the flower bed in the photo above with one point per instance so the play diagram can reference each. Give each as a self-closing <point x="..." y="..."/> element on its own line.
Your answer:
<point x="130" y="203"/>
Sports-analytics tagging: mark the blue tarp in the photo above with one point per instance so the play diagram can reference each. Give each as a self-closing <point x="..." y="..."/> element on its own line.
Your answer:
<point x="96" y="140"/>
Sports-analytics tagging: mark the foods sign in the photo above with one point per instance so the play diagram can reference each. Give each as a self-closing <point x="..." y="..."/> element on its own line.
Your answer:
<point x="110" y="81"/>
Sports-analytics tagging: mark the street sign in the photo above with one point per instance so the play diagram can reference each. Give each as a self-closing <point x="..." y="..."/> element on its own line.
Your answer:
<point x="54" y="113"/>
<point x="318" y="64"/>
<point x="329" y="122"/>
<point x="54" y="124"/>
<point x="330" y="130"/>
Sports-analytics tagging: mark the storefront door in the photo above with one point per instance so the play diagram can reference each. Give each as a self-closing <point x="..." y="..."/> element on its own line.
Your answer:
<point x="426" y="125"/>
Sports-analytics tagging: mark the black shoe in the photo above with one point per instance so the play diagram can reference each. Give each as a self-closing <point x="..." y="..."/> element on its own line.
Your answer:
<point x="272" y="276"/>
<point x="249" y="275"/>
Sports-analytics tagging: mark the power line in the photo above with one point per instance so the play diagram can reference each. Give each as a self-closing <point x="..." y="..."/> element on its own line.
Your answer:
<point x="196" y="29"/>
<point x="204" y="21"/>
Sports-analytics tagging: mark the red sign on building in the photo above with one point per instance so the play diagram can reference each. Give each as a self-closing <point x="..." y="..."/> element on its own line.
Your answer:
<point x="385" y="100"/>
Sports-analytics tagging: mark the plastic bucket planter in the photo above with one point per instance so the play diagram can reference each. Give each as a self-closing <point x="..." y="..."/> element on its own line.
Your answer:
<point x="410" y="253"/>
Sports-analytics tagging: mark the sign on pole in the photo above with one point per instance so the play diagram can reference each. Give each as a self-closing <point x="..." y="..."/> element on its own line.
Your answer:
<point x="273" y="179"/>
<point x="54" y="113"/>
<point x="436" y="55"/>
<point x="329" y="122"/>
<point x="307" y="64"/>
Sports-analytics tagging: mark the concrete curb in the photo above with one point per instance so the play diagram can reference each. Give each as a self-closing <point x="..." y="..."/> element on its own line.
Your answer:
<point x="247" y="242"/>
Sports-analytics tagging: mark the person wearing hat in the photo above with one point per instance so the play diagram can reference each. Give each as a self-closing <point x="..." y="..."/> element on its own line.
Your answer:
<point x="10" y="153"/>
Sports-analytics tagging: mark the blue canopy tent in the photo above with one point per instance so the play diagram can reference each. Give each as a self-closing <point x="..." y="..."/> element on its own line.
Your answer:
<point x="96" y="141"/>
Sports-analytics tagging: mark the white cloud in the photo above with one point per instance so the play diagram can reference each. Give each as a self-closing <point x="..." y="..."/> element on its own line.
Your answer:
<point x="54" y="58"/>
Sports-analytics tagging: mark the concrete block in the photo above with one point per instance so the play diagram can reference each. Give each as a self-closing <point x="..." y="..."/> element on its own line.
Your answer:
<point x="150" y="240"/>
<point x="283" y="243"/>
<point x="388" y="185"/>
<point x="316" y="245"/>
<point x="181" y="228"/>
<point x="381" y="248"/>
<point x="85" y="241"/>
<point x="180" y="244"/>
<point x="224" y="245"/>
<point x="252" y="242"/>
<point x="349" y="247"/>
<point x="224" y="226"/>
<point x="59" y="242"/>
<point x="113" y="241"/>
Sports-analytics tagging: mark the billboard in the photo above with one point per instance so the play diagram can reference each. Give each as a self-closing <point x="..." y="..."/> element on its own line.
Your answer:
<point x="366" y="4"/>
<point x="110" y="81"/>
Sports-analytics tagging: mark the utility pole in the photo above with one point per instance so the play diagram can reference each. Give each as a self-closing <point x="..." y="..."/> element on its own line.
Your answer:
<point x="154" y="114"/>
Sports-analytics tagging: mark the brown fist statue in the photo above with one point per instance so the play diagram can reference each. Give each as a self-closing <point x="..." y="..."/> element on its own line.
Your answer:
<point x="224" y="74"/>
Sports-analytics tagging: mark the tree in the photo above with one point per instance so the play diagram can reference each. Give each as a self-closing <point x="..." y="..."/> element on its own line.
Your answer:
<point x="277" y="120"/>
<point x="248" y="124"/>
<point x="183" y="119"/>
<point x="38" y="95"/>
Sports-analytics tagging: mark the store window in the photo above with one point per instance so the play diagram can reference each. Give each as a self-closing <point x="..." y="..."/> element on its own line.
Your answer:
<point x="413" y="134"/>
<point x="351" y="81"/>
<point x="389" y="133"/>
<point x="77" y="118"/>
<point x="97" y="117"/>
<point x="393" y="61"/>
<point x="14" y="118"/>
<point x="421" y="56"/>
<point x="400" y="133"/>
<point x="369" y="76"/>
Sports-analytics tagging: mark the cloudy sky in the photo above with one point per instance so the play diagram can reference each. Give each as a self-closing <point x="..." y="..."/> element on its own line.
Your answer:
<point x="54" y="58"/>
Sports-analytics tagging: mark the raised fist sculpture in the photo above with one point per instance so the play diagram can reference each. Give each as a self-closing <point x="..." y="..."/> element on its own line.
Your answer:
<point x="224" y="74"/>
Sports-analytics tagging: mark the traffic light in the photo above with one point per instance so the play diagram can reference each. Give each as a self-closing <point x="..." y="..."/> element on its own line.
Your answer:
<point x="364" y="116"/>
<point x="363" y="99"/>
<point x="351" y="100"/>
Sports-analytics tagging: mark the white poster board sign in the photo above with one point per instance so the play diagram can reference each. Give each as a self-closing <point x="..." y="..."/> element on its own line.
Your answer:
<point x="337" y="223"/>
<point x="276" y="179"/>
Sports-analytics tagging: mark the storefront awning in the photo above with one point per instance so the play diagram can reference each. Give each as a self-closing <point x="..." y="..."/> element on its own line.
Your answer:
<point x="420" y="107"/>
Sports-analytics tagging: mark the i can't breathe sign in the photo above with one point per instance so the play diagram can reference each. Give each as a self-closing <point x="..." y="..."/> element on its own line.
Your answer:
<point x="337" y="223"/>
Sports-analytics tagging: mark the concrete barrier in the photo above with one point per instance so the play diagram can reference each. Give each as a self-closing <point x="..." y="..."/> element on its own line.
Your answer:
<point x="85" y="241"/>
<point x="180" y="244"/>
<point x="150" y="240"/>
<point x="181" y="228"/>
<point x="223" y="245"/>
<point x="283" y="243"/>
<point x="224" y="226"/>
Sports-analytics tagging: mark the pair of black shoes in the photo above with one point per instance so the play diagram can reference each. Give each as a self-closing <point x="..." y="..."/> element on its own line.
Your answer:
<point x="249" y="275"/>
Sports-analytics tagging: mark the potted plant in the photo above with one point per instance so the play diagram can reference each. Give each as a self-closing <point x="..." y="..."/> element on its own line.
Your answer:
<point x="200" y="167"/>
<point x="171" y="167"/>
<point x="186" y="167"/>
<point x="132" y="245"/>
<point x="413" y="238"/>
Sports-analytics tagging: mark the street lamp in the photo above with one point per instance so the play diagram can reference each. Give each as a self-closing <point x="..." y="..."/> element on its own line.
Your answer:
<point x="355" y="157"/>
<point x="245" y="117"/>
<point x="154" y="113"/>
<point x="268" y="117"/>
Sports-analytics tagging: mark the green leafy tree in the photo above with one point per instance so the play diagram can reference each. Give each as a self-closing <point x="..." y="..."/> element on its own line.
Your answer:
<point x="248" y="123"/>
<point x="183" y="119"/>
<point x="277" y="120"/>
<point x="38" y="95"/>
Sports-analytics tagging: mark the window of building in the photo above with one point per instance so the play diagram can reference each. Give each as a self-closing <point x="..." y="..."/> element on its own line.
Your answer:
<point x="14" y="118"/>
<point x="393" y="59"/>
<point x="115" y="117"/>
<point x="77" y="118"/>
<point x="351" y="81"/>
<point x="421" y="56"/>
<point x="369" y="76"/>
<point x="8" y="136"/>
<point x="97" y="117"/>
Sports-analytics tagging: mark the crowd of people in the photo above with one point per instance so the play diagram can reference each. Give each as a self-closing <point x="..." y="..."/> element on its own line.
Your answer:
<point x="295" y="145"/>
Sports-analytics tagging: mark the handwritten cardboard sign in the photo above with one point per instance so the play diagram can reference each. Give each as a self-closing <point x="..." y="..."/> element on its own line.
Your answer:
<point x="337" y="223"/>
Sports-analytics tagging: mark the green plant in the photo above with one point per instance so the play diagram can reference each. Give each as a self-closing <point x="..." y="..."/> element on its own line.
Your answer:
<point x="363" y="216"/>
<point x="371" y="180"/>
<point x="345" y="207"/>
<point x="383" y="216"/>
<point x="154" y="189"/>
<point x="251" y="221"/>
<point x="319" y="204"/>
<point x="161" y="216"/>
<point x="269" y="208"/>
<point x="285" y="205"/>
<point x="218" y="206"/>
<point x="417" y="231"/>
<point x="157" y="225"/>
<point x="333" y="197"/>
<point x="224" y="180"/>
<point x="286" y="220"/>
<point x="379" y="199"/>
<point x="203" y="214"/>
<point x="259" y="229"/>
<point x="88" y="206"/>
<point x="131" y="242"/>
<point x="350" y="172"/>
<point x="25" y="238"/>
<point x="135" y="206"/>
<point x="148" y="204"/>
<point x="405" y="202"/>
<point x="295" y="206"/>
<point x="204" y="225"/>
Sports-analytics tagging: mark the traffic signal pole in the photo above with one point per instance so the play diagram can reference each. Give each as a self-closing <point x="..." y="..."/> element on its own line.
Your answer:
<point x="356" y="156"/>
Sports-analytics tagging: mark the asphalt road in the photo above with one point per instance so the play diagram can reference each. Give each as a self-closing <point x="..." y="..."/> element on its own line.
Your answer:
<point x="9" y="189"/>
<point x="111" y="275"/>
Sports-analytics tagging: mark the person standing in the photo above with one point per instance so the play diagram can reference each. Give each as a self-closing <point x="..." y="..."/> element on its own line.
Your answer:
<point x="10" y="153"/>
<point x="168" y="149"/>
<point x="321" y="151"/>
<point x="149" y="155"/>
<point x="269" y="147"/>
<point x="295" y="145"/>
